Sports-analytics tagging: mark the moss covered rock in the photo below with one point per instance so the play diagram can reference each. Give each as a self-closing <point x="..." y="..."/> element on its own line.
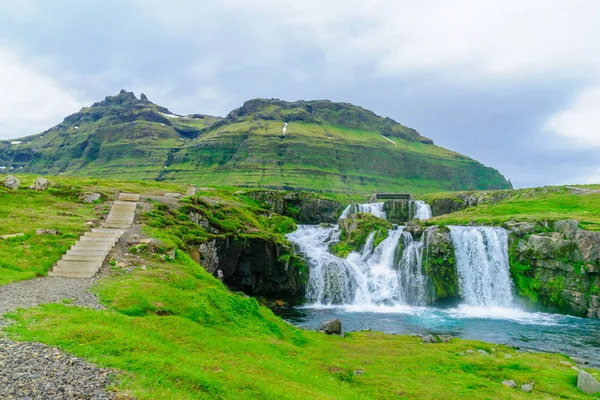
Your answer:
<point x="355" y="231"/>
<point x="557" y="265"/>
<point x="438" y="263"/>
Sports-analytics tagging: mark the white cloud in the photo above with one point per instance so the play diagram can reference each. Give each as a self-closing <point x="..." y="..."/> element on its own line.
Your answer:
<point x="580" y="122"/>
<point x="29" y="101"/>
<point x="490" y="37"/>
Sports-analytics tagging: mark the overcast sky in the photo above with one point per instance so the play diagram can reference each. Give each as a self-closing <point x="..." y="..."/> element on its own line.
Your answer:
<point x="514" y="84"/>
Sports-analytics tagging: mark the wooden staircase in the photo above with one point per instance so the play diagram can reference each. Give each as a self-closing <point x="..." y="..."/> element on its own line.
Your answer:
<point x="86" y="256"/>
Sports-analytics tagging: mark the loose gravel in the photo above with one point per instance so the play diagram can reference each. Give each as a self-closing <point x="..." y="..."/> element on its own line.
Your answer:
<point x="31" y="293"/>
<point x="36" y="371"/>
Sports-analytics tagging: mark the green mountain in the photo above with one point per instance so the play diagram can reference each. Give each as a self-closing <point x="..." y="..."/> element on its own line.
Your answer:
<point x="326" y="146"/>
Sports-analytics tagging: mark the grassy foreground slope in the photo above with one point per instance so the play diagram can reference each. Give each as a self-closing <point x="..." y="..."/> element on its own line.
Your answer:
<point x="173" y="331"/>
<point x="332" y="147"/>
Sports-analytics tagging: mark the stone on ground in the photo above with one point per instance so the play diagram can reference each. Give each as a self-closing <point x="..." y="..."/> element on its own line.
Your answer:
<point x="528" y="387"/>
<point x="510" y="383"/>
<point x="40" y="184"/>
<point x="89" y="197"/>
<point x="11" y="182"/>
<point x="332" y="326"/>
<point x="429" y="339"/>
<point x="587" y="383"/>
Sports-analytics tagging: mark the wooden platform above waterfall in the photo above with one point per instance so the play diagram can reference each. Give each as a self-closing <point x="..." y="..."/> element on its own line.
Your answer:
<point x="392" y="196"/>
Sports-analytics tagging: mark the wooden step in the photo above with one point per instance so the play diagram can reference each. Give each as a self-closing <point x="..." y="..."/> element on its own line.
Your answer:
<point x="73" y="274"/>
<point x="87" y="252"/>
<point x="129" y="197"/>
<point x="116" y="226"/>
<point x="96" y="239"/>
<point x="81" y="257"/>
<point x="110" y="234"/>
<point x="105" y="244"/>
<point x="71" y="264"/>
<point x="108" y="230"/>
<point x="124" y="203"/>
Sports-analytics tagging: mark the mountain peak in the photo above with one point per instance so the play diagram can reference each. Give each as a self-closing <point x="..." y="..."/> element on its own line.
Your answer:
<point x="324" y="112"/>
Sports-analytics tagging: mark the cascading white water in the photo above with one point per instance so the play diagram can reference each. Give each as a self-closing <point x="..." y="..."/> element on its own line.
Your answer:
<point x="422" y="210"/>
<point x="482" y="265"/>
<point x="372" y="208"/>
<point x="376" y="276"/>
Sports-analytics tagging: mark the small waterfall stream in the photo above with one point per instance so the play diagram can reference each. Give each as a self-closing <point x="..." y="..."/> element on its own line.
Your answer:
<point x="482" y="265"/>
<point x="386" y="275"/>
<point x="421" y="209"/>
<point x="372" y="208"/>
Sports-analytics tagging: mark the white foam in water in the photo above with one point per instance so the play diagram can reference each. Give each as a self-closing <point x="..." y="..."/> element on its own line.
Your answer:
<point x="372" y="208"/>
<point x="513" y="314"/>
<point x="482" y="265"/>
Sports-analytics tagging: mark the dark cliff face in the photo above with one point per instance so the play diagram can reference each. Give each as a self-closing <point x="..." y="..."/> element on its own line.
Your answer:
<point x="255" y="266"/>
<point x="304" y="208"/>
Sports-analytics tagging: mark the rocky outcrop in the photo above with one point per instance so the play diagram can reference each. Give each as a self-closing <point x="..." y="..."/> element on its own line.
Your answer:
<point x="304" y="208"/>
<point x="11" y="182"/>
<point x="256" y="266"/>
<point x="557" y="265"/>
<point x="438" y="263"/>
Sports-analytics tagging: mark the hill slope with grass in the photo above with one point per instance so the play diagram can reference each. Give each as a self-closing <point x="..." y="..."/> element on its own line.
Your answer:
<point x="335" y="147"/>
<point x="170" y="330"/>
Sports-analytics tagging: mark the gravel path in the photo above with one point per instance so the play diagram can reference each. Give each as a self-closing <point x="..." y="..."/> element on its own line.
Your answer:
<point x="36" y="371"/>
<point x="38" y="291"/>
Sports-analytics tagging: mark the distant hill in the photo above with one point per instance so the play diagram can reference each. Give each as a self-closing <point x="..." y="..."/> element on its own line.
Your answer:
<point x="326" y="146"/>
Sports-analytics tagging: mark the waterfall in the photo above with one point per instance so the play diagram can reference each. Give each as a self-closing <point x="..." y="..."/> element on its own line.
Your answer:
<point x="388" y="274"/>
<point x="482" y="265"/>
<point x="422" y="210"/>
<point x="372" y="208"/>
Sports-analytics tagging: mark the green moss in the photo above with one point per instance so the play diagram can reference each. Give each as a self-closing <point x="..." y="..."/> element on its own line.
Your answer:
<point x="439" y="265"/>
<point x="356" y="230"/>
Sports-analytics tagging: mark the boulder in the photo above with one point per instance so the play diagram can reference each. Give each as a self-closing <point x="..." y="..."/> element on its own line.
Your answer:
<point x="47" y="232"/>
<point x="428" y="339"/>
<point x="12" y="235"/>
<point x="510" y="383"/>
<point x="40" y="184"/>
<point x="445" y="338"/>
<point x="587" y="383"/>
<point x="332" y="326"/>
<point x="528" y="387"/>
<point x="11" y="182"/>
<point x="89" y="197"/>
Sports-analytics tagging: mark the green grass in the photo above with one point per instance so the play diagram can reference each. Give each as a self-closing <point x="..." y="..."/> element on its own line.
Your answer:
<point x="584" y="208"/>
<point x="175" y="332"/>
<point x="32" y="255"/>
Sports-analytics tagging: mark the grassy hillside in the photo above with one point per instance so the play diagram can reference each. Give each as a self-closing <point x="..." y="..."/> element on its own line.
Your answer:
<point x="332" y="147"/>
<point x="173" y="331"/>
<point x="551" y="206"/>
